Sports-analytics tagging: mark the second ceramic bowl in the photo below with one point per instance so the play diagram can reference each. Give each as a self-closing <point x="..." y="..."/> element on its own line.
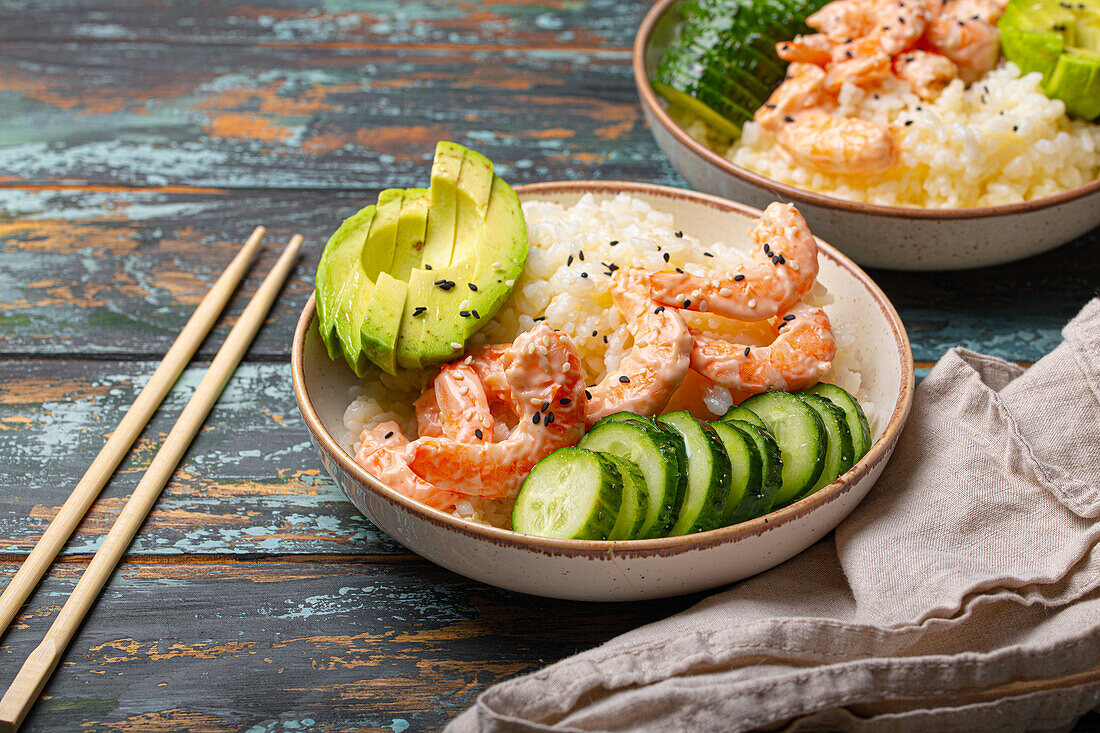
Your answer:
<point x="636" y="569"/>
<point x="876" y="236"/>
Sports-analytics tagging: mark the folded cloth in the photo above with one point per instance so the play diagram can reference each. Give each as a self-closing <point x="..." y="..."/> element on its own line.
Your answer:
<point x="962" y="594"/>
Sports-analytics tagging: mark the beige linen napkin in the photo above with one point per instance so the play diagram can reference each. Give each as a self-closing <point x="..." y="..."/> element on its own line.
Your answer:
<point x="962" y="594"/>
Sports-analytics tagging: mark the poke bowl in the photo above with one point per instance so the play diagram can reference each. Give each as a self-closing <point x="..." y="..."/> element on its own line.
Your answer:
<point x="886" y="229"/>
<point x="609" y="570"/>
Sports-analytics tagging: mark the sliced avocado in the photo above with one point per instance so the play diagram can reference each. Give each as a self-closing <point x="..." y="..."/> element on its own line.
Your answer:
<point x="382" y="322"/>
<point x="337" y="265"/>
<point x="440" y="237"/>
<point x="411" y="229"/>
<point x="475" y="182"/>
<point x="356" y="295"/>
<point x="453" y="314"/>
<point x="1061" y="40"/>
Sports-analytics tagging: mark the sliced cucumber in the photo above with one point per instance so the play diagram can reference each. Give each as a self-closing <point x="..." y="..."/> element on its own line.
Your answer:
<point x="740" y="413"/>
<point x="853" y="415"/>
<point x="659" y="455"/>
<point x="771" y="464"/>
<point x="838" y="444"/>
<point x="571" y="494"/>
<point x="745" y="492"/>
<point x="708" y="474"/>
<point x="628" y="417"/>
<point x="801" y="438"/>
<point x="635" y="500"/>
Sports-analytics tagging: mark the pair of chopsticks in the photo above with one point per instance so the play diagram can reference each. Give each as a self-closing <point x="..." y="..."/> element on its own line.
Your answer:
<point x="38" y="667"/>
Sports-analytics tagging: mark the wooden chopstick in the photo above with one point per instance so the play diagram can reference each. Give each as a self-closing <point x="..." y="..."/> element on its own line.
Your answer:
<point x="34" y="673"/>
<point x="133" y="422"/>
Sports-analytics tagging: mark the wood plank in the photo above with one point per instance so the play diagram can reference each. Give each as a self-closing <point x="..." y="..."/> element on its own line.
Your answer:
<point x="603" y="23"/>
<point x="110" y="273"/>
<point x="316" y="117"/>
<point x="346" y="646"/>
<point x="250" y="484"/>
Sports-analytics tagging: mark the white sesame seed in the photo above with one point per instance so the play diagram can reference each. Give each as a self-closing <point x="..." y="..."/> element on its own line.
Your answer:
<point x="464" y="305"/>
<point x="725" y="292"/>
<point x="752" y="303"/>
<point x="509" y="283"/>
<point x="536" y="400"/>
<point x="566" y="367"/>
<point x="703" y="306"/>
<point x="793" y="266"/>
<point x="456" y="345"/>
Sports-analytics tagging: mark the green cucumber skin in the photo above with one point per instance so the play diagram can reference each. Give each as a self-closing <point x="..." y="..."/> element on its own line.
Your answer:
<point x="672" y="453"/>
<point x="771" y="464"/>
<point x="603" y="512"/>
<point x="635" y="500"/>
<point x="853" y="413"/>
<point x="839" y="451"/>
<point x="740" y="413"/>
<point x="793" y="484"/>
<point x="746" y="472"/>
<point x="711" y="505"/>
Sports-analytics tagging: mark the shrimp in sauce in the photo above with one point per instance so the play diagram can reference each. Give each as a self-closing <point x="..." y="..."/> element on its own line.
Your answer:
<point x="382" y="454"/>
<point x="800" y="355"/>
<point x="647" y="376"/>
<point x="784" y="270"/>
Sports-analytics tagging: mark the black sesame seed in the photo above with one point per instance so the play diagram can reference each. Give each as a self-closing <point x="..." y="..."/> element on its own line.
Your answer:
<point x="679" y="235"/>
<point x="471" y="286"/>
<point x="464" y="314"/>
<point x="770" y="106"/>
<point x="545" y="407"/>
<point x="775" y="260"/>
<point x="595" y="333"/>
<point x="549" y="418"/>
<point x="1015" y="128"/>
<point x="580" y="255"/>
<point x="584" y="274"/>
<point x="389" y="435"/>
<point x="427" y="267"/>
<point x="480" y="435"/>
<point x="565" y="400"/>
<point x="788" y="118"/>
<point x="605" y="339"/>
<point x="614" y="242"/>
<point x="901" y="20"/>
<point x="687" y="303"/>
<point x="679" y="271"/>
<point x="666" y="256"/>
<point x="747" y="350"/>
<point x="658" y="309"/>
<point x="419" y="310"/>
<point x="848" y="54"/>
<point x="908" y="122"/>
<point x="476" y="315"/>
<point x="588" y="394"/>
<point x="539" y="318"/>
<point x="624" y="379"/>
<point x="738" y="278"/>
<point x="782" y="261"/>
<point x="569" y="261"/>
<point x="789" y="317"/>
<point x="536" y="417"/>
<point x="707" y="254"/>
<point x="767" y="247"/>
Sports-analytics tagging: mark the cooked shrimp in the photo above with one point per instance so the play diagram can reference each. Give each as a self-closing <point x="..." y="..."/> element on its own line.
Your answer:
<point x="814" y="48"/>
<point x="895" y="24"/>
<point x="797" y="113"/>
<point x="382" y="454"/>
<point x="797" y="359"/>
<point x="785" y="258"/>
<point x="862" y="62"/>
<point x="544" y="374"/>
<point x="656" y="365"/>
<point x="925" y="72"/>
<point x="967" y="34"/>
<point x="463" y="405"/>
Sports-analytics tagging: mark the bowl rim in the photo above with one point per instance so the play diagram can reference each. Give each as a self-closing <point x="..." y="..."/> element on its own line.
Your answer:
<point x="651" y="103"/>
<point x="663" y="546"/>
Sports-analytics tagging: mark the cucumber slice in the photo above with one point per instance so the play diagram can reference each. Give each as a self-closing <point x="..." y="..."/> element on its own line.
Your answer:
<point x="746" y="473"/>
<point x="661" y="458"/>
<point x="838" y="449"/>
<point x="801" y="438"/>
<point x="853" y="415"/>
<point x="635" y="500"/>
<point x="571" y="494"/>
<point x="708" y="474"/>
<point x="771" y="464"/>
<point x="740" y="413"/>
<point x="628" y="417"/>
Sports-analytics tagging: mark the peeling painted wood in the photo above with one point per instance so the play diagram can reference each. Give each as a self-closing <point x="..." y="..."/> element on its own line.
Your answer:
<point x="226" y="647"/>
<point x="251" y="482"/>
<point x="317" y="117"/>
<point x="115" y="274"/>
<point x="502" y="22"/>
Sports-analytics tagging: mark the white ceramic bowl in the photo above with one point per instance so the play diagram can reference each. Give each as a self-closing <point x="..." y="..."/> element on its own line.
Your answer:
<point x="895" y="237"/>
<point x="616" y="571"/>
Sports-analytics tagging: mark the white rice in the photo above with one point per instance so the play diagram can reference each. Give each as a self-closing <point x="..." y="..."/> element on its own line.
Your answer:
<point x="565" y="283"/>
<point x="1000" y="141"/>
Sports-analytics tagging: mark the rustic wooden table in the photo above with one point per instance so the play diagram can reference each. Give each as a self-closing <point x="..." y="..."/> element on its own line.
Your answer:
<point x="138" y="147"/>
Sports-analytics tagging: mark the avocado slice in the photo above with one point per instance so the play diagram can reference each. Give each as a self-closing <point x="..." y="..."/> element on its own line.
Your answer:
<point x="411" y="233"/>
<point x="375" y="255"/>
<point x="440" y="237"/>
<point x="337" y="266"/>
<point x="1060" y="40"/>
<point x="382" y="322"/>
